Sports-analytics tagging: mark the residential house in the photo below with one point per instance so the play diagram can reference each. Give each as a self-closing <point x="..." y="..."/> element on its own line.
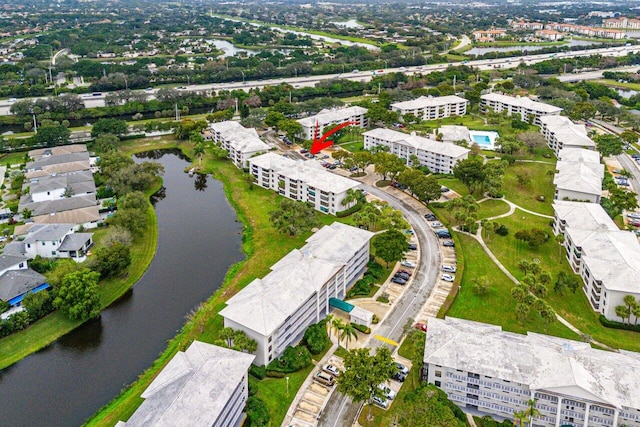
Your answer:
<point x="241" y="143"/>
<point x="439" y="157"/>
<point x="52" y="187"/>
<point x="72" y="210"/>
<point x="578" y="181"/>
<point x="39" y="153"/>
<point x="277" y="309"/>
<point x="16" y="280"/>
<point x="58" y="165"/>
<point x="203" y="386"/>
<point x="489" y="35"/>
<point x="522" y="106"/>
<point x="561" y="132"/>
<point x="313" y="126"/>
<point x="482" y="368"/>
<point x="305" y="181"/>
<point x="52" y="241"/>
<point x="430" y="108"/>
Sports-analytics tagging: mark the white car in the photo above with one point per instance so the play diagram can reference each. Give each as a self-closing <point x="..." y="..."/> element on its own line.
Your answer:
<point x="449" y="268"/>
<point x="406" y="263"/>
<point x="633" y="215"/>
<point x="388" y="393"/>
<point x="436" y="224"/>
<point x="448" y="278"/>
<point x="332" y="370"/>
<point x="383" y="403"/>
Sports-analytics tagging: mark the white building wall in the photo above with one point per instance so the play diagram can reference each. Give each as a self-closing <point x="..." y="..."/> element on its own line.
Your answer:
<point x="562" y="194"/>
<point x="48" y="195"/>
<point x="231" y="414"/>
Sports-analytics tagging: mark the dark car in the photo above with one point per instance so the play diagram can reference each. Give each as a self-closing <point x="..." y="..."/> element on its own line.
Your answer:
<point x="430" y="217"/>
<point x="444" y="235"/>
<point x="399" y="280"/>
<point x="405" y="272"/>
<point x="399" y="376"/>
<point x="448" y="243"/>
<point x="412" y="247"/>
<point x="444" y="189"/>
<point x="401" y="276"/>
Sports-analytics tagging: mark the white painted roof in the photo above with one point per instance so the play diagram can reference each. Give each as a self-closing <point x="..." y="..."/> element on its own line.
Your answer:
<point x="521" y="101"/>
<point x="541" y="362"/>
<point x="325" y="117"/>
<point x="572" y="154"/>
<point x="242" y="139"/>
<point x="579" y="176"/>
<point x="272" y="161"/>
<point x="428" y="101"/>
<point x="586" y="216"/>
<point x="418" y="142"/>
<point x="455" y="133"/>
<point x="193" y="388"/>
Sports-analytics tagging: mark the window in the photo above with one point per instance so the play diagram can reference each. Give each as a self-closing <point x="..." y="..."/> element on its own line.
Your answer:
<point x="438" y="374"/>
<point x="437" y="383"/>
<point x="270" y="348"/>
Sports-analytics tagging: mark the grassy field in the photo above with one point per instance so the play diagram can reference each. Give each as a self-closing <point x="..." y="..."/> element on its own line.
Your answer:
<point x="454" y="184"/>
<point x="541" y="184"/>
<point x="353" y="146"/>
<point x="48" y="329"/>
<point x="12" y="158"/>
<point x="621" y="85"/>
<point x="492" y="207"/>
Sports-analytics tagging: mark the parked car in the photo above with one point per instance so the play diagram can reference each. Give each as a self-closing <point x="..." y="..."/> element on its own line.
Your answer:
<point x="410" y="232"/>
<point x="448" y="243"/>
<point x="435" y="224"/>
<point x="402" y="276"/>
<point x="399" y="281"/>
<point x="381" y="402"/>
<point x="633" y="215"/>
<point x="332" y="167"/>
<point x="421" y="326"/>
<point x="443" y="234"/>
<point x="447" y="278"/>
<point x="399" y="376"/>
<point x="430" y="217"/>
<point x="449" y="268"/>
<point x="444" y="189"/>
<point x="635" y="223"/>
<point x="303" y="150"/>
<point x="407" y="272"/>
<point x="412" y="246"/>
<point x="409" y="264"/>
<point x="332" y="370"/>
<point x="324" y="379"/>
<point x="388" y="393"/>
<point x="401" y="368"/>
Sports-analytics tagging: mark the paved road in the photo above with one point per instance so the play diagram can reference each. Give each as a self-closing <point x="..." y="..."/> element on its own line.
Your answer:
<point x="482" y="64"/>
<point x="591" y="75"/>
<point x="340" y="411"/>
<point x="466" y="41"/>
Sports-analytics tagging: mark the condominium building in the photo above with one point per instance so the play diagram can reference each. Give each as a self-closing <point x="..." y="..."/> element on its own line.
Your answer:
<point x="203" y="386"/>
<point x="578" y="181"/>
<point x="622" y="22"/>
<point x="488" y="35"/>
<point x="306" y="181"/>
<point x="585" y="30"/>
<point x="551" y="35"/>
<point x="439" y="157"/>
<point x="242" y="143"/>
<point x="524" y="25"/>
<point x="277" y="309"/>
<point x="560" y="132"/>
<point x="522" y="106"/>
<point x="430" y="108"/>
<point x="580" y="215"/>
<point x="314" y="126"/>
<point x="579" y="155"/>
<point x="482" y="368"/>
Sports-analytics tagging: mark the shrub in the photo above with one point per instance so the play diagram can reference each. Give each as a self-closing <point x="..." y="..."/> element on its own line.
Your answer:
<point x="292" y="360"/>
<point x="617" y="325"/>
<point x="375" y="319"/>
<point x="258" y="372"/>
<point x="353" y="209"/>
<point x="42" y="265"/>
<point x="315" y="338"/>
<point x="375" y="269"/>
<point x="361" y="287"/>
<point x="275" y="374"/>
<point x="383" y="298"/>
<point x="38" y="305"/>
<point x="362" y="328"/>
<point x="502" y="230"/>
<point x="257" y="413"/>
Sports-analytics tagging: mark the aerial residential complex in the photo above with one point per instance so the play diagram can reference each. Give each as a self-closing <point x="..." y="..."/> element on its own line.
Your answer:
<point x="204" y="386"/>
<point x="560" y="132"/>
<point x="522" y="106"/>
<point x="303" y="181"/>
<point x="242" y="143"/>
<point x="439" y="157"/>
<point x="430" y="108"/>
<point x="17" y="280"/>
<point x="483" y="368"/>
<point x="277" y="309"/>
<point x="579" y="178"/>
<point x="313" y="126"/>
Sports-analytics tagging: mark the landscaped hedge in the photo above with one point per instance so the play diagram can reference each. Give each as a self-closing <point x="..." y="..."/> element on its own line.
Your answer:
<point x="362" y="328"/>
<point x="292" y="360"/>
<point x="258" y="372"/>
<point x="617" y="325"/>
<point x="353" y="209"/>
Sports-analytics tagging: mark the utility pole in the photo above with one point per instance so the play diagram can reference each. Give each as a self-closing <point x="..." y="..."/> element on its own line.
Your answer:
<point x="177" y="113"/>
<point x="289" y="97"/>
<point x="35" y="123"/>
<point x="378" y="88"/>
<point x="236" y="105"/>
<point x="454" y="82"/>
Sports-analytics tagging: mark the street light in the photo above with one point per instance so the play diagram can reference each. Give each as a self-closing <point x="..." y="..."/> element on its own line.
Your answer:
<point x="242" y="76"/>
<point x="287" y="386"/>
<point x="296" y="70"/>
<point x="385" y="64"/>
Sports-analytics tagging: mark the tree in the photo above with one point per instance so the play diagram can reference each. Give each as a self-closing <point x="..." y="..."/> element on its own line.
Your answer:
<point x="292" y="128"/>
<point x="361" y="160"/>
<point x="52" y="135"/>
<point x="522" y="311"/>
<point x="363" y="372"/>
<point x="106" y="142"/>
<point x="347" y="333"/>
<point x="257" y="412"/>
<point x="629" y="137"/>
<point x="390" y="246"/>
<point x="471" y="172"/>
<point x="523" y="179"/>
<point x="112" y="261"/>
<point x="560" y="241"/>
<point x="622" y="311"/>
<point x="608" y="145"/>
<point x="77" y="296"/>
<point x="38" y="304"/>
<point x="227" y="334"/>
<point x="427" y="405"/>
<point x="293" y="217"/>
<point x="273" y="118"/>
<point x="113" y="126"/>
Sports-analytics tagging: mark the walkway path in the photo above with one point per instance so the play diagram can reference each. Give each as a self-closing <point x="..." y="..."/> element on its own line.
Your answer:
<point x="478" y="237"/>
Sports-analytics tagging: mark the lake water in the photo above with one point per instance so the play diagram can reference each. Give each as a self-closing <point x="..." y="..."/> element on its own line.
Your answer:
<point x="626" y="93"/>
<point x="199" y="239"/>
<point x="352" y="23"/>
<point x="484" y="50"/>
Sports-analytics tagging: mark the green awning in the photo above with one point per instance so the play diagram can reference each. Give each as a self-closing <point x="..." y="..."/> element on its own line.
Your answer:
<point x="341" y="305"/>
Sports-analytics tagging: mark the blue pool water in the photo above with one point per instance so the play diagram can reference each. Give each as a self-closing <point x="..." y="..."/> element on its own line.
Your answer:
<point x="481" y="139"/>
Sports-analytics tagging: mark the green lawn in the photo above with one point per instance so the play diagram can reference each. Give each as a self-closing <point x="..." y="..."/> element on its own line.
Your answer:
<point x="353" y="146"/>
<point x="541" y="184"/>
<point x="455" y="184"/>
<point x="12" y="158"/>
<point x="492" y="207"/>
<point x="615" y="83"/>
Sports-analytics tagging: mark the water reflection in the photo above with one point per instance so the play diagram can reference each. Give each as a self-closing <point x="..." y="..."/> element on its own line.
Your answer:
<point x="200" y="182"/>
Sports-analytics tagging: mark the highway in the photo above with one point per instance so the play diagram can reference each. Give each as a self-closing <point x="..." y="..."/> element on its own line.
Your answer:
<point x="365" y="76"/>
<point x="339" y="410"/>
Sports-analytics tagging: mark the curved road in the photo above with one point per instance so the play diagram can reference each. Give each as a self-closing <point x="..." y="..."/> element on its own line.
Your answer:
<point x="340" y="411"/>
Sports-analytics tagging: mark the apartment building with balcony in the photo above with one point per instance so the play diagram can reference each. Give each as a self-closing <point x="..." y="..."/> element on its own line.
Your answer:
<point x="482" y="368"/>
<point x="578" y="181"/>
<point x="277" y="309"/>
<point x="305" y="181"/>
<point x="240" y="142"/>
<point x="522" y="106"/>
<point x="203" y="386"/>
<point x="326" y="118"/>
<point x="560" y="132"/>
<point x="439" y="157"/>
<point x="432" y="108"/>
<point x="580" y="215"/>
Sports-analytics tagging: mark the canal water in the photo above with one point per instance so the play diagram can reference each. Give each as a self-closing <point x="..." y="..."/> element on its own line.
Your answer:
<point x="199" y="239"/>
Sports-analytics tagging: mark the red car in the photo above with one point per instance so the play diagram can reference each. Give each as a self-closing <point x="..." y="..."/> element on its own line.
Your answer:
<point x="635" y="223"/>
<point x="421" y="326"/>
<point x="405" y="271"/>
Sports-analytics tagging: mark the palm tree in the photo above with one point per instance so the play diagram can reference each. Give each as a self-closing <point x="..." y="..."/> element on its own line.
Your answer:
<point x="531" y="411"/>
<point x="622" y="311"/>
<point x="635" y="310"/>
<point x="518" y="417"/>
<point x="336" y="326"/>
<point x="348" y="332"/>
<point x="327" y="323"/>
<point x="560" y="242"/>
<point x="227" y="335"/>
<point x="198" y="150"/>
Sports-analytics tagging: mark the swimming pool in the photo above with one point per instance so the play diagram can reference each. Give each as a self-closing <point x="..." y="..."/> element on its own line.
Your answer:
<point x="485" y="139"/>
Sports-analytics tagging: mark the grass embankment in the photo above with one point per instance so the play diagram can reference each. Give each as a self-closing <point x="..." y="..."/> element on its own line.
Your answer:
<point x="621" y="85"/>
<point x="252" y="207"/>
<point x="48" y="329"/>
<point x="517" y="43"/>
